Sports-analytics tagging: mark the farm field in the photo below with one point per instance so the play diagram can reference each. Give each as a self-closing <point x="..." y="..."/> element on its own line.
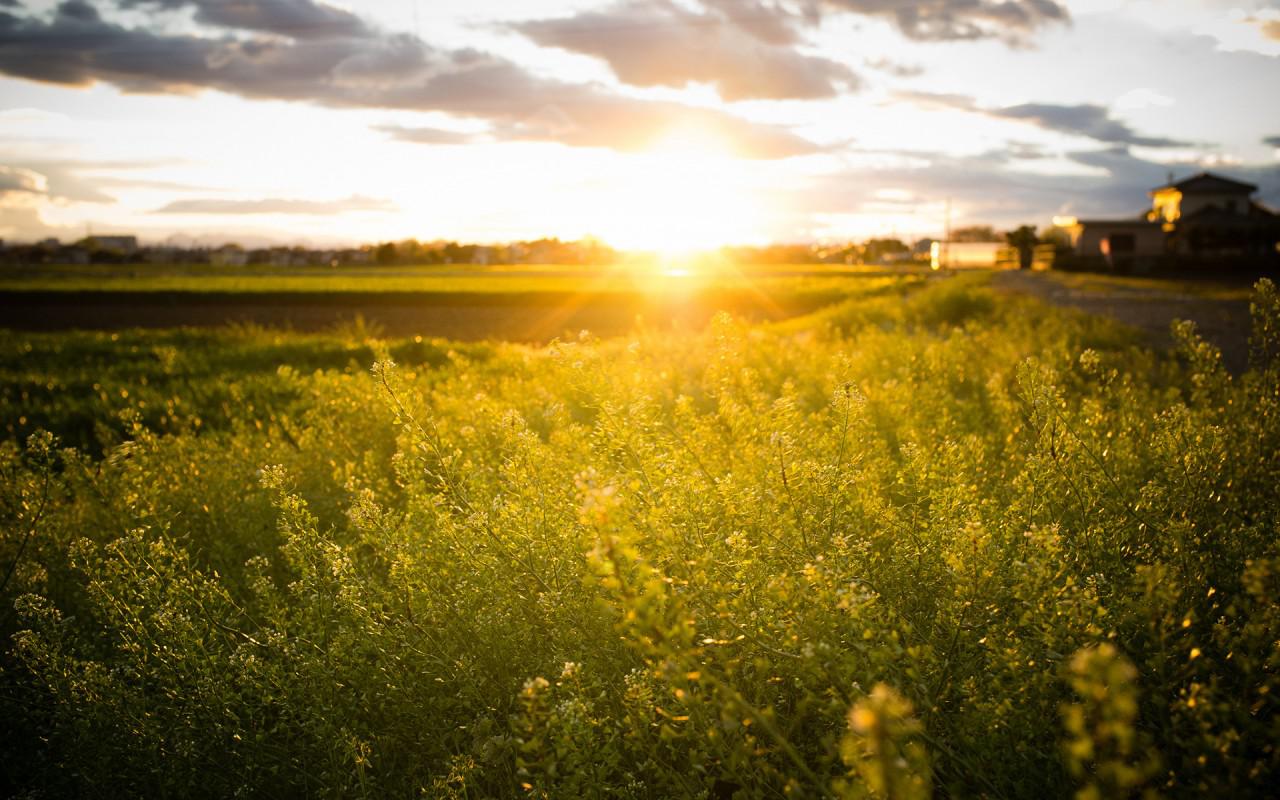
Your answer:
<point x="911" y="537"/>
<point x="654" y="277"/>
<point x="531" y="304"/>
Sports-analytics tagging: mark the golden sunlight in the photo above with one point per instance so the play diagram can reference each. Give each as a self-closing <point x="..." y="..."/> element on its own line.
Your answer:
<point x="686" y="193"/>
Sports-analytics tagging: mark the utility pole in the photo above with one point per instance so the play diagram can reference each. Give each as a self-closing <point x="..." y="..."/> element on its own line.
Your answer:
<point x="946" y="237"/>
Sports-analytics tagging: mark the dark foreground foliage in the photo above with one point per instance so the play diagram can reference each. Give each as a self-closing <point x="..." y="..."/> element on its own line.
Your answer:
<point x="950" y="542"/>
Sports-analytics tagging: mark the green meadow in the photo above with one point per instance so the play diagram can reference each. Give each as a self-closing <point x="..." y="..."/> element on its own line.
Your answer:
<point x="932" y="539"/>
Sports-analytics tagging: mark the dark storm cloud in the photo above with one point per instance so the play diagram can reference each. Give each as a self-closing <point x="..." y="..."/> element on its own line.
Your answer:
<point x="362" y="71"/>
<point x="299" y="19"/>
<point x="1086" y="119"/>
<point x="744" y="50"/>
<point x="277" y="206"/>
<point x="79" y="10"/>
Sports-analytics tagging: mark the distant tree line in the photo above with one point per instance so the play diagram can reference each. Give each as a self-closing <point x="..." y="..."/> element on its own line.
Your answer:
<point x="885" y="251"/>
<point x="585" y="252"/>
<point x="125" y="250"/>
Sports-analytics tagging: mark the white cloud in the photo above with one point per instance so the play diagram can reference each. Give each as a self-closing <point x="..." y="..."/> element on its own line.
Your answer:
<point x="19" y="180"/>
<point x="1136" y="99"/>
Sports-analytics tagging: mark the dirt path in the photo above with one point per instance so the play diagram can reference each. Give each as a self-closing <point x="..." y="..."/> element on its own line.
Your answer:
<point x="1222" y="318"/>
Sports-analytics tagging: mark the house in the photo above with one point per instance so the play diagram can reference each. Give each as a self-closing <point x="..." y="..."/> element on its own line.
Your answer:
<point x="1196" y="194"/>
<point x="1208" y="215"/>
<point x="1118" y="241"/>
<point x="1205" y="216"/>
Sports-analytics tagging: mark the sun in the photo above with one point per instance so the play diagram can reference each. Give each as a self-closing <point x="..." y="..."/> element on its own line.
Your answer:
<point x="684" y="194"/>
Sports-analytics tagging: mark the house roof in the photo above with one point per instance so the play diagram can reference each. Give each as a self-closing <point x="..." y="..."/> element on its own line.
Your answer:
<point x="1213" y="215"/>
<point x="1206" y="183"/>
<point x="1139" y="221"/>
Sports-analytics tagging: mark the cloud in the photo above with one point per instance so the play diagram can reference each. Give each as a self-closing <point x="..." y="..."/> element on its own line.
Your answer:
<point x="946" y="20"/>
<point x="24" y="222"/>
<point x="277" y="206"/>
<point x="1086" y="119"/>
<point x="125" y="182"/>
<point x="744" y="50"/>
<point x="82" y="181"/>
<point x="1141" y="98"/>
<point x="426" y="135"/>
<point x="77" y="48"/>
<point x="987" y="188"/>
<point x="895" y="68"/>
<point x="23" y="193"/>
<point x="20" y="180"/>
<point x="523" y="107"/>
<point x="65" y="181"/>
<point x="1274" y="141"/>
<point x="366" y="69"/>
<point x="765" y="21"/>
<point x="297" y="19"/>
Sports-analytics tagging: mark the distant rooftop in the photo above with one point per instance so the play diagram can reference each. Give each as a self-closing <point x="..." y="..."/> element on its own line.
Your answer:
<point x="1208" y="183"/>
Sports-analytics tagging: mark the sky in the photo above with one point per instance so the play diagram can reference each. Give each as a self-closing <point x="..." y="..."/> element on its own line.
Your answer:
<point x="649" y="124"/>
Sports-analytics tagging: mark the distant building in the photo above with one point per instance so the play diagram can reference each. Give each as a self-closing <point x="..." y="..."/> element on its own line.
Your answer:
<point x="1204" y="216"/>
<point x="355" y="256"/>
<point x="163" y="255"/>
<point x="229" y="256"/>
<point x="123" y="244"/>
<point x="973" y="255"/>
<point x="71" y="254"/>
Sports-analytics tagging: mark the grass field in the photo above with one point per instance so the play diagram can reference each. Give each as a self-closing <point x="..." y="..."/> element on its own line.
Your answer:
<point x="647" y="278"/>
<point x="530" y="304"/>
<point x="928" y="539"/>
